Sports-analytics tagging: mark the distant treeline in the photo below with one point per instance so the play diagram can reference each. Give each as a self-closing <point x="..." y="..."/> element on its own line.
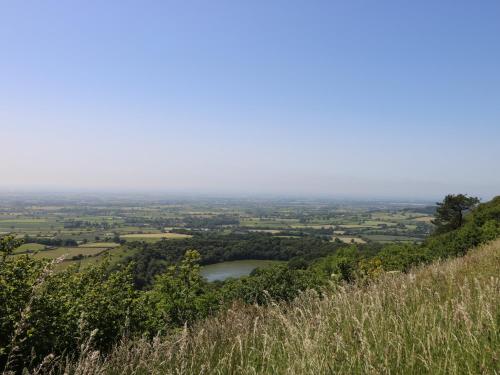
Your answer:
<point x="76" y="224"/>
<point x="194" y="222"/>
<point x="50" y="241"/>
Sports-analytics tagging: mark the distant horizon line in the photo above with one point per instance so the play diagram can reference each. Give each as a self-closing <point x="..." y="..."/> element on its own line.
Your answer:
<point x="193" y="195"/>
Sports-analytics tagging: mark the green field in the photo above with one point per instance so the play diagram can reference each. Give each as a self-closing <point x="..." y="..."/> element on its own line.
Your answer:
<point x="154" y="236"/>
<point x="313" y="226"/>
<point x="69" y="252"/>
<point x="29" y="247"/>
<point x="100" y="244"/>
<point x="388" y="238"/>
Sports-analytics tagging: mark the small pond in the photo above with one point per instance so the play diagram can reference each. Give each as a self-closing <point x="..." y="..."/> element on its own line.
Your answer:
<point x="234" y="268"/>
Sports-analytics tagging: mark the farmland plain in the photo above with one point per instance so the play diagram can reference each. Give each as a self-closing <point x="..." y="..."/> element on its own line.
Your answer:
<point x="87" y="229"/>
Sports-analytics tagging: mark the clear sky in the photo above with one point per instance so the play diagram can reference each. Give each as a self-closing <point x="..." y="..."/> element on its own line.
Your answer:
<point x="340" y="98"/>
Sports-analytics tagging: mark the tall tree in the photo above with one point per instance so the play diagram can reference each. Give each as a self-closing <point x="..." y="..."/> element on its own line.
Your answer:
<point x="450" y="212"/>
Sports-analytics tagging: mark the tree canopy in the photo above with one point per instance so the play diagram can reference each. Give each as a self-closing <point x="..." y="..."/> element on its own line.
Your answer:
<point x="450" y="212"/>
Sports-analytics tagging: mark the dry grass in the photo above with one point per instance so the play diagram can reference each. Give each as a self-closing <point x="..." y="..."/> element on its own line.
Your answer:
<point x="439" y="319"/>
<point x="425" y="219"/>
<point x="348" y="239"/>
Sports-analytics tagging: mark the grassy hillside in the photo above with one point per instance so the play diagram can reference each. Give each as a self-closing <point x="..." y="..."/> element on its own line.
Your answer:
<point x="443" y="318"/>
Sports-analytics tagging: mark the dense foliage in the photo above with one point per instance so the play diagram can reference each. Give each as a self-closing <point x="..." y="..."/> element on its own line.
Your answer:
<point x="481" y="225"/>
<point x="43" y="311"/>
<point x="151" y="259"/>
<point x="450" y="212"/>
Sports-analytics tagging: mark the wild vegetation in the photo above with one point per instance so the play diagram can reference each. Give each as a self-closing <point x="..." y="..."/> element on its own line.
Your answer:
<point x="345" y="310"/>
<point x="151" y="259"/>
<point x="439" y="319"/>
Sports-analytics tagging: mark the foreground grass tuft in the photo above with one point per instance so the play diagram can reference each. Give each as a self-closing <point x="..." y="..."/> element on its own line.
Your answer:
<point x="439" y="319"/>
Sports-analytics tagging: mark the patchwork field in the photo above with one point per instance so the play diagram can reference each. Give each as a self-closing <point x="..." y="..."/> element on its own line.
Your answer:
<point x="88" y="230"/>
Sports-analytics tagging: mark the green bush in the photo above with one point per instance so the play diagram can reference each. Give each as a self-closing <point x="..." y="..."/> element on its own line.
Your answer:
<point x="401" y="257"/>
<point x="273" y="283"/>
<point x="179" y="296"/>
<point x="43" y="312"/>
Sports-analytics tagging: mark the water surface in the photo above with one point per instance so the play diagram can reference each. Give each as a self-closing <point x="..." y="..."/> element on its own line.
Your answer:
<point x="234" y="268"/>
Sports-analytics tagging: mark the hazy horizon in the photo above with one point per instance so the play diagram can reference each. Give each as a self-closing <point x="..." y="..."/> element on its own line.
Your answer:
<point x="170" y="195"/>
<point x="281" y="98"/>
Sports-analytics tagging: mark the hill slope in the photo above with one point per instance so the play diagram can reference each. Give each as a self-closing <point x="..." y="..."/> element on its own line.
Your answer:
<point x="439" y="319"/>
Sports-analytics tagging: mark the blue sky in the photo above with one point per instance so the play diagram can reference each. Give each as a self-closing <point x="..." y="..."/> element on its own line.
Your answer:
<point x="351" y="98"/>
